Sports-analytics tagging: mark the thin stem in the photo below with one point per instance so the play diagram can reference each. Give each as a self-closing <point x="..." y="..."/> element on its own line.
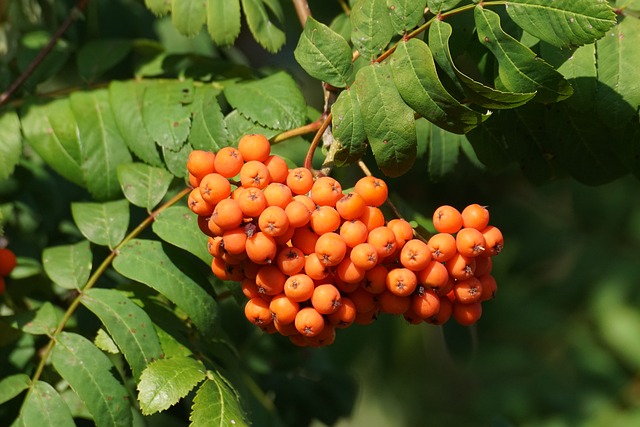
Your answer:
<point x="308" y="160"/>
<point x="73" y="16"/>
<point x="96" y="275"/>
<point x="302" y="130"/>
<point x="303" y="11"/>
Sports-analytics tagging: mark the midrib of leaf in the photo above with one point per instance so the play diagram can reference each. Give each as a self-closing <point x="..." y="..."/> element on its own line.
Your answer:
<point x="103" y="140"/>
<point x="168" y="380"/>
<point x="222" y="403"/>
<point x="386" y="108"/>
<point x="415" y="72"/>
<point x="42" y="404"/>
<point x="326" y="60"/>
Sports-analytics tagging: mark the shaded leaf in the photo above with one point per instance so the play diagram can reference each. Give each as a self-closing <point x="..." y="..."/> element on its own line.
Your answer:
<point x="12" y="386"/>
<point x="40" y="321"/>
<point x="51" y="130"/>
<point x="208" y="130"/>
<point x="165" y="112"/>
<point x="11" y="147"/>
<point x="88" y="372"/>
<point x="388" y="122"/>
<point x="442" y="152"/>
<point x="405" y="14"/>
<point x="371" y="27"/>
<point x="126" y="100"/>
<point x="146" y="261"/>
<point x="324" y="54"/>
<point x="158" y="7"/>
<point x="30" y="45"/>
<point x="415" y="76"/>
<point x="520" y="69"/>
<point x="128" y="325"/>
<point x="99" y="55"/>
<point x="348" y="128"/>
<point x="437" y="6"/>
<point x="166" y="381"/>
<point x="143" y="185"/>
<point x="102" y="223"/>
<point x="188" y="16"/>
<point x="618" y="328"/>
<point x="179" y="226"/>
<point x="69" y="266"/>
<point x="341" y="24"/>
<point x="223" y="21"/>
<point x="176" y="160"/>
<point x="217" y="404"/>
<point x="275" y="101"/>
<point x="563" y="23"/>
<point x="102" y="146"/>
<point x="44" y="407"/>
<point x="264" y="31"/>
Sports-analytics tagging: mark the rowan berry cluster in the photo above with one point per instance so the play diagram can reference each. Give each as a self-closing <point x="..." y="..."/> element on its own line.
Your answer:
<point x="7" y="264"/>
<point x="312" y="259"/>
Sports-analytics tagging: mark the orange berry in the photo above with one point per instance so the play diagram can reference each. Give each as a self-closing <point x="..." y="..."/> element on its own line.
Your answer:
<point x="425" y="303"/>
<point x="372" y="217"/>
<point x="270" y="280"/>
<point x="344" y="286"/>
<point x="193" y="181"/>
<point x="214" y="229"/>
<point x="298" y="213"/>
<point x="306" y="200"/>
<point x="493" y="239"/>
<point x="348" y="272"/>
<point x="277" y="195"/>
<point x="283" y="309"/>
<point x="402" y="229"/>
<point x="235" y="240"/>
<point x="326" y="298"/>
<point x="367" y="317"/>
<point x="434" y="275"/>
<point x="344" y="315"/>
<point x="384" y="240"/>
<point x="250" y="268"/>
<point x="442" y="246"/>
<point x="467" y="314"/>
<point x="309" y="322"/>
<point x="254" y="147"/>
<point x="373" y="190"/>
<point x="290" y="260"/>
<point x="261" y="248"/>
<point x="227" y="214"/>
<point x="198" y="205"/>
<point x="200" y="163"/>
<point x="364" y="256"/>
<point x="326" y="337"/>
<point x="468" y="290"/>
<point x="447" y="219"/>
<point x="461" y="267"/>
<point x="363" y="301"/>
<point x="415" y="255"/>
<point x="391" y="303"/>
<point x="484" y="265"/>
<point x="252" y="202"/>
<point x="351" y="206"/>
<point x="299" y="287"/>
<point x="287" y="329"/>
<point x="331" y="249"/>
<point x="401" y="281"/>
<point x="249" y="288"/>
<point x="314" y="268"/>
<point x="475" y="216"/>
<point x="305" y="239"/>
<point x="443" y="314"/>
<point x="375" y="280"/>
<point x="354" y="232"/>
<point x="228" y="162"/>
<point x="273" y="221"/>
<point x="254" y="174"/>
<point x="470" y="242"/>
<point x="215" y="246"/>
<point x="325" y="219"/>
<point x="489" y="287"/>
<point x="300" y="180"/>
<point x="257" y="311"/>
<point x="326" y="191"/>
<point x="278" y="169"/>
<point x="214" y="187"/>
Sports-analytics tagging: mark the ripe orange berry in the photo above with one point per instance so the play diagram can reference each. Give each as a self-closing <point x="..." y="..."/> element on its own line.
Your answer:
<point x="252" y="202"/>
<point x="290" y="260"/>
<point x="415" y="255"/>
<point x="270" y="280"/>
<point x="235" y="240"/>
<point x="254" y="147"/>
<point x="443" y="314"/>
<point x="261" y="248"/>
<point x="214" y="187"/>
<point x="442" y="246"/>
<point x="470" y="242"/>
<point x="299" y="287"/>
<point x="375" y="280"/>
<point x="278" y="169"/>
<point x="344" y="315"/>
<point x="254" y="174"/>
<point x="305" y="239"/>
<point x="326" y="298"/>
<point x="489" y="287"/>
<point x="287" y="329"/>
<point x="484" y="265"/>
<point x="326" y="337"/>
<point x="372" y="217"/>
<point x="309" y="322"/>
<point x="8" y="261"/>
<point x="461" y="267"/>
<point x="351" y="206"/>
<point x="227" y="214"/>
<point x="425" y="303"/>
<point x="354" y="232"/>
<point x="306" y="200"/>
<point x="447" y="219"/>
<point x="283" y="309"/>
<point x="215" y="246"/>
<point x="384" y="240"/>
<point x="467" y="314"/>
<point x="326" y="191"/>
<point x="200" y="163"/>
<point x="277" y="195"/>
<point x="298" y="213"/>
<point x="434" y="275"/>
<point x="325" y="219"/>
<point x="468" y="290"/>
<point x="364" y="256"/>
<point x="343" y="286"/>
<point x="314" y="268"/>
<point x="300" y="180"/>
<point x="273" y="221"/>
<point x="363" y="301"/>
<point x="402" y="229"/>
<point x="475" y="216"/>
<point x="214" y="229"/>
<point x="348" y="272"/>
<point x="367" y="317"/>
<point x="331" y="249"/>
<point x="391" y="303"/>
<point x="257" y="311"/>
<point x="401" y="281"/>
<point x="493" y="239"/>
<point x="228" y="162"/>
<point x="373" y="190"/>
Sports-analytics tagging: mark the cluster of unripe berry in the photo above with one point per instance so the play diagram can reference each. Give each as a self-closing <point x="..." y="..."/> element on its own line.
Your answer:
<point x="7" y="264"/>
<point x="311" y="258"/>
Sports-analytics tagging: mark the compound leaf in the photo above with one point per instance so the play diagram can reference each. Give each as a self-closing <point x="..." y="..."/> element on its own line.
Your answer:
<point x="223" y="21"/>
<point x="102" y="223"/>
<point x="44" y="407"/>
<point x="371" y="27"/>
<point x="264" y="31"/>
<point x="188" y="16"/>
<point x="166" y="113"/>
<point x="11" y="147"/>
<point x="143" y="185"/>
<point x="69" y="266"/>
<point x="348" y="128"/>
<point x="217" y="405"/>
<point x="208" y="130"/>
<point x="179" y="226"/>
<point x="405" y="14"/>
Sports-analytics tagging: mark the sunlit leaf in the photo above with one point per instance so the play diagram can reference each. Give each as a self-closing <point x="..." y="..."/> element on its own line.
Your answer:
<point x="69" y="266"/>
<point x="11" y="386"/>
<point x="166" y="381"/>
<point x="188" y="16"/>
<point x="102" y="223"/>
<point x="208" y="130"/>
<point x="158" y="7"/>
<point x="143" y="185"/>
<point x="371" y="27"/>
<point x="11" y="147"/>
<point x="176" y="160"/>
<point x="223" y="20"/>
<point x="263" y="29"/>
<point x="405" y="14"/>
<point x="105" y="343"/>
<point x="165" y="112"/>
<point x="44" y="407"/>
<point x="437" y="6"/>
<point x="217" y="405"/>
<point x="99" y="55"/>
<point x="179" y="226"/>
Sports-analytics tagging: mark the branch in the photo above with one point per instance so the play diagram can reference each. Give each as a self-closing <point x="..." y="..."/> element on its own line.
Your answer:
<point x="303" y="11"/>
<point x="74" y="15"/>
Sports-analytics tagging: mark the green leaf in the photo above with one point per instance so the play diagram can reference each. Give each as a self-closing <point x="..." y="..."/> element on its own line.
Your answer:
<point x="276" y="9"/>
<point x="146" y="261"/>
<point x="104" y="224"/>
<point x="341" y="24"/>
<point x="41" y="321"/>
<point x="348" y="128"/>
<point x="405" y="14"/>
<point x="437" y="6"/>
<point x="372" y="29"/>
<point x="239" y="125"/>
<point x="166" y="381"/>
<point x="217" y="405"/>
<point x="12" y="386"/>
<point x="11" y="147"/>
<point x="51" y="130"/>
<point x="208" y="130"/>
<point x="275" y="101"/>
<point x="29" y="47"/>
<point x="388" y="122"/>
<point x="223" y="21"/>
<point x="324" y="54"/>
<point x="102" y="146"/>
<point x="69" y="266"/>
<point x="443" y="152"/>
<point x="176" y="160"/>
<point x="439" y="34"/>
<point x="104" y="342"/>
<point x="99" y="55"/>
<point x="188" y="16"/>
<point x="265" y="32"/>
<point x="618" y="328"/>
<point x="158" y="7"/>
<point x="89" y="373"/>
<point x="128" y="325"/>
<point x="179" y="226"/>
<point x="415" y="76"/>
<point x="165" y="112"/>
<point x="126" y="100"/>
<point x="563" y="23"/>
<point x="143" y="185"/>
<point x="44" y="407"/>
<point x="618" y="56"/>
<point x="519" y="68"/>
